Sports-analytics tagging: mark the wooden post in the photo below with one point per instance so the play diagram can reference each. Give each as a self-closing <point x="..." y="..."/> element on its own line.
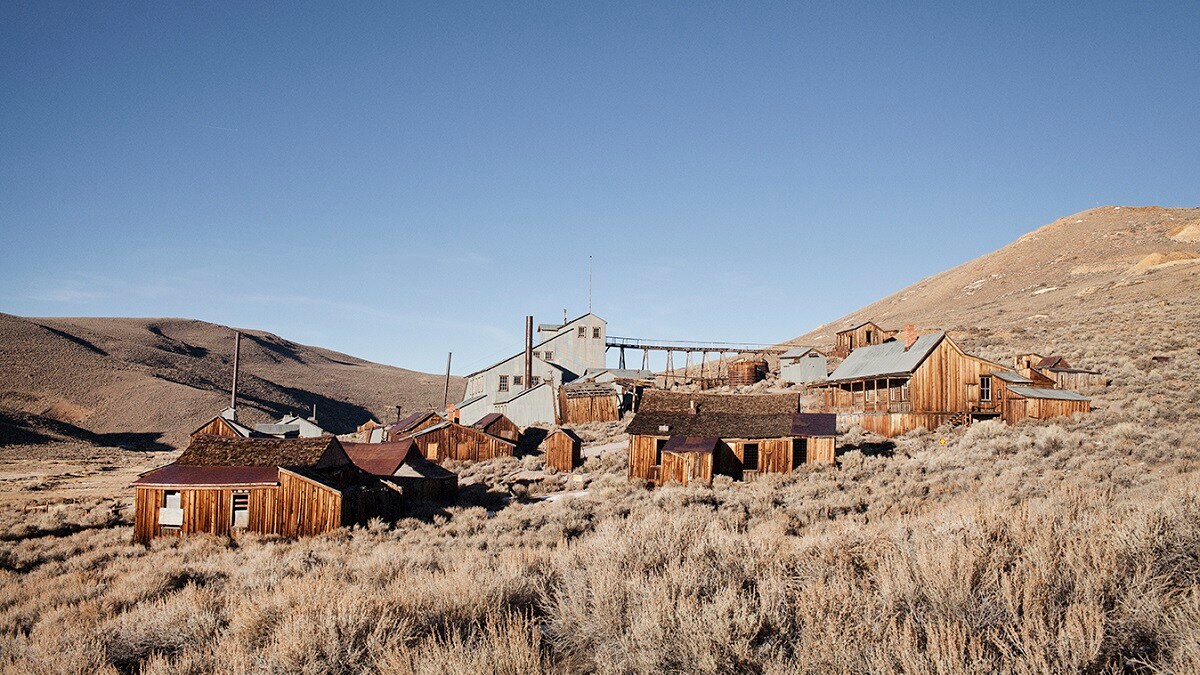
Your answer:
<point x="446" y="394"/>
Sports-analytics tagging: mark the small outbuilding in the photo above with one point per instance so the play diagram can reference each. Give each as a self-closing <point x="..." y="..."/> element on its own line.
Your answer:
<point x="412" y="424"/>
<point x="400" y="464"/>
<point x="862" y="335"/>
<point x="499" y="426"/>
<point x="589" y="401"/>
<point x="802" y="365"/>
<point x="226" y="424"/>
<point x="450" y="440"/>
<point x="563" y="450"/>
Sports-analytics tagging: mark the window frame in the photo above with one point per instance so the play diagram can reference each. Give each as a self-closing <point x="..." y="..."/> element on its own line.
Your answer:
<point x="746" y="449"/>
<point x="242" y="496"/>
<point x="503" y="384"/>
<point x="985" y="388"/>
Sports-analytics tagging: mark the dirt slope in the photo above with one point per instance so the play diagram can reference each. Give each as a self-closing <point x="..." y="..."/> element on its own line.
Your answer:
<point x="1087" y="268"/>
<point x="149" y="382"/>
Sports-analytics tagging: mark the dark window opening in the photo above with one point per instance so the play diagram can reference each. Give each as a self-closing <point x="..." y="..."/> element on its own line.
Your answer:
<point x="241" y="509"/>
<point x="658" y="450"/>
<point x="799" y="452"/>
<point x="583" y="331"/>
<point x="750" y="457"/>
<point x="596" y="333"/>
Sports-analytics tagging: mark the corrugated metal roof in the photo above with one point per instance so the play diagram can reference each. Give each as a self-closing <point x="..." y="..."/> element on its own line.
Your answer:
<point x="691" y="444"/>
<point x="277" y="429"/>
<point x="889" y="358"/>
<point x="379" y="459"/>
<point x="1048" y="393"/>
<point x="196" y="476"/>
<point x="1011" y="377"/>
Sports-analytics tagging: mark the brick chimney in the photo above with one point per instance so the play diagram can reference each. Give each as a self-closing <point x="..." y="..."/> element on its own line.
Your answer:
<point x="910" y="336"/>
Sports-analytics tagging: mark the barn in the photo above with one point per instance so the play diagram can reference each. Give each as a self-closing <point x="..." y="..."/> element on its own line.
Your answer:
<point x="401" y="464"/>
<point x="499" y="426"/>
<point x="685" y="437"/>
<point x="862" y="335"/>
<point x="563" y="450"/>
<point x="225" y="486"/>
<point x="450" y="440"/>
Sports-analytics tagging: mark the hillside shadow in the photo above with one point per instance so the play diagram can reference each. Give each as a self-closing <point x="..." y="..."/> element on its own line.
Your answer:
<point x="871" y="449"/>
<point x="174" y="346"/>
<point x="280" y="349"/>
<point x="529" y="441"/>
<point x="77" y="340"/>
<point x="22" y="429"/>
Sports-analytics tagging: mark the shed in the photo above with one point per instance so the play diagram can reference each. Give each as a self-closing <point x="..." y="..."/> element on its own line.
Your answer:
<point x="422" y="419"/>
<point x="802" y="365"/>
<point x="863" y="335"/>
<point x="1025" y="402"/>
<point x="563" y="450"/>
<point x="499" y="426"/>
<point x="450" y="440"/>
<point x="589" y="401"/>
<point x="401" y="463"/>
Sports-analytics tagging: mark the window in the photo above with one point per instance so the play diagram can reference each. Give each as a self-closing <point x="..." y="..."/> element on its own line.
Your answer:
<point x="583" y="331"/>
<point x="904" y="392"/>
<point x="534" y="380"/>
<point x="799" y="451"/>
<point x="548" y="356"/>
<point x="870" y="334"/>
<point x="750" y="457"/>
<point x="170" y="514"/>
<point x="870" y="392"/>
<point x="985" y="388"/>
<point x="659" y="444"/>
<point x="241" y="510"/>
<point x="518" y="380"/>
<point x="595" y="333"/>
<point x="503" y="383"/>
<point x="432" y="449"/>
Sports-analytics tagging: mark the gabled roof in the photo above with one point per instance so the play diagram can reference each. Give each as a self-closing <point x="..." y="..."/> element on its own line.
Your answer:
<point x="737" y="404"/>
<point x="569" y="434"/>
<point x="489" y="419"/>
<point x="237" y="427"/>
<point x="691" y="444"/>
<point x="442" y="425"/>
<point x="889" y="358"/>
<point x="796" y="352"/>
<point x="380" y="459"/>
<point x="1047" y="393"/>
<point x="1052" y="362"/>
<point x="277" y="429"/>
<point x="207" y="450"/>
<point x="865" y="323"/>
<point x="408" y="423"/>
<point x="538" y="345"/>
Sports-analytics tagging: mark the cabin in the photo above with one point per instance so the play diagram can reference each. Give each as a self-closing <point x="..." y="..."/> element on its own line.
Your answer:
<point x="803" y="365"/>
<point x="499" y="426"/>
<point x="689" y="438"/>
<point x="924" y="381"/>
<point x="401" y="464"/>
<point x="451" y="440"/>
<point x="589" y="401"/>
<point x="1042" y="403"/>
<point x="563" y="450"/>
<point x="411" y="425"/>
<point x="226" y="486"/>
<point x="1062" y="374"/>
<point x="863" y="335"/>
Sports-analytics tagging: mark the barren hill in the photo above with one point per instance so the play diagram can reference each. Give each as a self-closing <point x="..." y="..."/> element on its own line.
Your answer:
<point x="151" y="381"/>
<point x="1100" y="265"/>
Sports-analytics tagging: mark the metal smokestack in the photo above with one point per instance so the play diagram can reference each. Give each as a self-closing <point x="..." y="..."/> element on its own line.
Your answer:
<point x="237" y="350"/>
<point x="528" y="351"/>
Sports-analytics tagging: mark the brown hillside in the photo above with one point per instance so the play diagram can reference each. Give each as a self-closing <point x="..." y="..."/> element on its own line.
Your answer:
<point x="1106" y="260"/>
<point x="149" y="381"/>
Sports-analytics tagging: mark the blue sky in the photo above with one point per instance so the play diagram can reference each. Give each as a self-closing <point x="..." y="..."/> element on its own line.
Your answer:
<point x="398" y="180"/>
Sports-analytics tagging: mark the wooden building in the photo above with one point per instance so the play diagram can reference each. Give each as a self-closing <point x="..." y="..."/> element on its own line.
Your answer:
<point x="499" y="426"/>
<point x="450" y="440"/>
<point x="563" y="450"/>
<point x="862" y="335"/>
<point x="224" y="486"/>
<point x="686" y="438"/>
<point x="1041" y="403"/>
<point x="803" y="365"/>
<point x="1061" y="373"/>
<point x="412" y="424"/>
<point x="226" y="425"/>
<point x="589" y="401"/>
<point x="746" y="372"/>
<point x="923" y="381"/>
<point x="401" y="464"/>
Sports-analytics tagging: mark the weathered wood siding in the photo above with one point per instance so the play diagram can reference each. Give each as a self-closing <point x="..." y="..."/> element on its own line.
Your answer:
<point x="775" y="455"/>
<point x="863" y="336"/>
<point x="306" y="506"/>
<point x="890" y="425"/>
<point x="583" y="409"/>
<point x="642" y="456"/>
<point x="1017" y="409"/>
<point x="455" y="441"/>
<point x="218" y="427"/>
<point x="1086" y="383"/>
<point x="686" y="468"/>
<point x="206" y="510"/>
<point x="502" y="427"/>
<point x="562" y="452"/>
<point x="947" y="381"/>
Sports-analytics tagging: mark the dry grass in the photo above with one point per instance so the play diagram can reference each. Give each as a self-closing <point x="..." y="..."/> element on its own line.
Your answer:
<point x="1069" y="546"/>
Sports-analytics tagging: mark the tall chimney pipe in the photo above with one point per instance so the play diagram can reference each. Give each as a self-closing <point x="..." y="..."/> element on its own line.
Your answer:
<point x="446" y="394"/>
<point x="237" y="351"/>
<point x="528" y="350"/>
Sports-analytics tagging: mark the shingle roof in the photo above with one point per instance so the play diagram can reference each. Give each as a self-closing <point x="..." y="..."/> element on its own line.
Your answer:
<point x="488" y="419"/>
<point x="691" y="444"/>
<point x="588" y="389"/>
<point x="728" y="416"/>
<point x="1052" y="362"/>
<point x="814" y="424"/>
<point x="889" y="358"/>
<point x="740" y="404"/>
<point x="206" y="450"/>
<point x="1048" y="393"/>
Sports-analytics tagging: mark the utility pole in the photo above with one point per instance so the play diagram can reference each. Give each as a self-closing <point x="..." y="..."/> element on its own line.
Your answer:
<point x="237" y="350"/>
<point x="446" y="396"/>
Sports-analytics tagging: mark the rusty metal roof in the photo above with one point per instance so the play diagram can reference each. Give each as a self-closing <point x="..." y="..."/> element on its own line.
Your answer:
<point x="814" y="424"/>
<point x="380" y="459"/>
<point x="208" y="476"/>
<point x="691" y="444"/>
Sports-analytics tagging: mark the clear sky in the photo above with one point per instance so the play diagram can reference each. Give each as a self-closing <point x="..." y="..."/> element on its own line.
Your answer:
<point x="398" y="180"/>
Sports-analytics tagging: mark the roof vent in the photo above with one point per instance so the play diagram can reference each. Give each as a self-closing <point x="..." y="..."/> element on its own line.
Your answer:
<point x="664" y="428"/>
